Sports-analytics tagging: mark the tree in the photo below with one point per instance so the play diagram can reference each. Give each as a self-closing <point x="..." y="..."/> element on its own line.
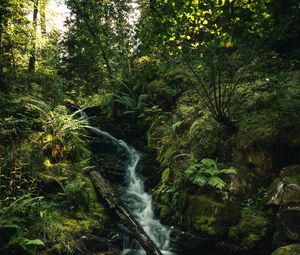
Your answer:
<point x="32" y="59"/>
<point x="96" y="45"/>
<point x="14" y="34"/>
<point x="217" y="40"/>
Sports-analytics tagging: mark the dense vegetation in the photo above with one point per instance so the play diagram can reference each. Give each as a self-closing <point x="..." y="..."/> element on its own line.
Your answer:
<point x="208" y="90"/>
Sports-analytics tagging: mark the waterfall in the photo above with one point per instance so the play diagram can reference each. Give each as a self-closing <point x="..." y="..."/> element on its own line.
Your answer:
<point x="139" y="203"/>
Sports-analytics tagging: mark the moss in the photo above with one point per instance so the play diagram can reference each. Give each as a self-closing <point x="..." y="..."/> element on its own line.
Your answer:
<point x="292" y="249"/>
<point x="81" y="222"/>
<point x="161" y="93"/>
<point x="252" y="229"/>
<point x="257" y="128"/>
<point x="206" y="137"/>
<point x="166" y="155"/>
<point x="208" y="216"/>
<point x="93" y="203"/>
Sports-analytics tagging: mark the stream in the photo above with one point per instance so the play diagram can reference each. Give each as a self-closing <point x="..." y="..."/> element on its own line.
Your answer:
<point x="139" y="203"/>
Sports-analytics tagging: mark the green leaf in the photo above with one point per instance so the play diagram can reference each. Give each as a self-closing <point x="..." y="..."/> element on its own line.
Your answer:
<point x="34" y="242"/>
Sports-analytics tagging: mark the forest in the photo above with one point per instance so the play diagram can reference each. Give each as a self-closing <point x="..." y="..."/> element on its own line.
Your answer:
<point x="149" y="127"/>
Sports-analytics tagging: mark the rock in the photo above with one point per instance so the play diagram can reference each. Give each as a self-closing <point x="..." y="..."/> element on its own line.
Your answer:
<point x="284" y="196"/>
<point x="285" y="190"/>
<point x="289" y="218"/>
<point x="184" y="241"/>
<point x="241" y="184"/>
<point x="293" y="249"/>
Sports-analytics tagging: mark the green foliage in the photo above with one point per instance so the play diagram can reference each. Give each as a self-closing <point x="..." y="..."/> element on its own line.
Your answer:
<point x="207" y="173"/>
<point x="99" y="38"/>
<point x="216" y="40"/>
<point x="133" y="100"/>
<point x="75" y="194"/>
<point x="14" y="218"/>
<point x="254" y="204"/>
<point x="197" y="24"/>
<point x="62" y="132"/>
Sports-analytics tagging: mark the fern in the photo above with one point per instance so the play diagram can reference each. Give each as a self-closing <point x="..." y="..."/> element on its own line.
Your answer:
<point x="62" y="133"/>
<point x="206" y="173"/>
<point x="15" y="217"/>
<point x="216" y="182"/>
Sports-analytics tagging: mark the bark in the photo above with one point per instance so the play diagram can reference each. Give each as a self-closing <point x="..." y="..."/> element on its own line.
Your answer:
<point x="127" y="222"/>
<point x="32" y="59"/>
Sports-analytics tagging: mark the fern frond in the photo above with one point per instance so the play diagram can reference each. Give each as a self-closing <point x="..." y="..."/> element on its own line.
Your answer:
<point x="230" y="170"/>
<point x="216" y="182"/>
<point x="207" y="162"/>
<point x="200" y="180"/>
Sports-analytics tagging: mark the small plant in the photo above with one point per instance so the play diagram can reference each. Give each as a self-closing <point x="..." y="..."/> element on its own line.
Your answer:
<point x="207" y="173"/>
<point x="75" y="193"/>
<point x="256" y="201"/>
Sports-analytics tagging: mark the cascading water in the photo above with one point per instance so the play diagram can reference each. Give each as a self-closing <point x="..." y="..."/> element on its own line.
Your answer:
<point x="139" y="203"/>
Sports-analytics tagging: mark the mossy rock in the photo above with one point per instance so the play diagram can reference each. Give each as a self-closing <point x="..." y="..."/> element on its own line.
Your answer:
<point x="208" y="216"/>
<point x="292" y="249"/>
<point x="252" y="229"/>
<point x="207" y="138"/>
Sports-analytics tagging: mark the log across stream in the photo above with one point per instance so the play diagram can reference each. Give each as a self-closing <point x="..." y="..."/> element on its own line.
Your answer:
<point x="138" y="217"/>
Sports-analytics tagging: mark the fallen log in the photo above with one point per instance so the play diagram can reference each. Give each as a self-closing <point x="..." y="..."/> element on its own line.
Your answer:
<point x="110" y="197"/>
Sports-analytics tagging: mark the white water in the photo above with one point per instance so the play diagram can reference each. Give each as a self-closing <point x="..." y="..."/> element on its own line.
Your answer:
<point x="139" y="203"/>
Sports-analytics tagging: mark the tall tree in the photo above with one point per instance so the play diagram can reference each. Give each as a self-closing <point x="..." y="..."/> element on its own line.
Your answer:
<point x="43" y="18"/>
<point x="14" y="34"/>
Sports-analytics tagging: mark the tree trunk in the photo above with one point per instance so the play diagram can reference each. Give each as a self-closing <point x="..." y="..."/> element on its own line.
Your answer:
<point x="32" y="59"/>
<point x="43" y="18"/>
<point x="130" y="224"/>
<point x="1" y="56"/>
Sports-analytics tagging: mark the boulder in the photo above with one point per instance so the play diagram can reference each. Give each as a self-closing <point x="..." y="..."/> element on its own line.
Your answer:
<point x="293" y="249"/>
